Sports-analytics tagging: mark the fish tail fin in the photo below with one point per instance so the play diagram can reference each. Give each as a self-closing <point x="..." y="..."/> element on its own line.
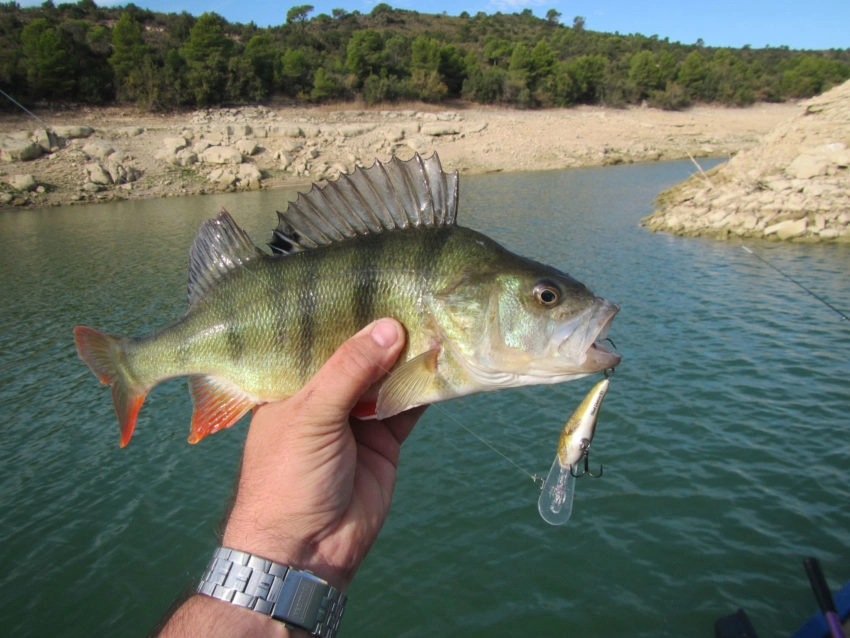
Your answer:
<point x="101" y="353"/>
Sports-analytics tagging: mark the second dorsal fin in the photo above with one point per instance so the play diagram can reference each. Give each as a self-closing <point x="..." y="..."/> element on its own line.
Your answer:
<point x="384" y="197"/>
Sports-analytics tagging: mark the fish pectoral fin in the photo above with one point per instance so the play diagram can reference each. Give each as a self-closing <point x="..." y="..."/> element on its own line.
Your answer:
<point x="217" y="404"/>
<point x="412" y="383"/>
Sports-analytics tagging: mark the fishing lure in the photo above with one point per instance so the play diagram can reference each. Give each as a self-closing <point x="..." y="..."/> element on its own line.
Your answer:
<point x="556" y="498"/>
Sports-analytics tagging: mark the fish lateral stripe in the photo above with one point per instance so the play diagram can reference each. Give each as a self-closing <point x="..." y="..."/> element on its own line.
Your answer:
<point x="306" y="323"/>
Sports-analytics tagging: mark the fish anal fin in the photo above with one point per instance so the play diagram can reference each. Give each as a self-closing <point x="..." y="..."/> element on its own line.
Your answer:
<point x="217" y="405"/>
<point x="410" y="384"/>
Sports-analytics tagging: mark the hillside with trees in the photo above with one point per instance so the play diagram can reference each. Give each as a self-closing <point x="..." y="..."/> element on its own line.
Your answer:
<point x="84" y="54"/>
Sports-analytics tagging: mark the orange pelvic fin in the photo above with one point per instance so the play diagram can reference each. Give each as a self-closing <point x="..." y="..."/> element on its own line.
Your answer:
<point x="218" y="405"/>
<point x="102" y="353"/>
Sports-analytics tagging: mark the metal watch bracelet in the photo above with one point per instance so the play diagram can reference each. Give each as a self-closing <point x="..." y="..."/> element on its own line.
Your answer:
<point x="290" y="595"/>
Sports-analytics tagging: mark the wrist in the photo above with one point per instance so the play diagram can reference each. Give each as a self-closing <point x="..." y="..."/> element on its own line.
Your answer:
<point x="296" y="550"/>
<point x="204" y="616"/>
<point x="275" y="591"/>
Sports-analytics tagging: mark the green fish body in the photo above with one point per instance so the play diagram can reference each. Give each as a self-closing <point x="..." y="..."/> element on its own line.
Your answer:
<point x="379" y="242"/>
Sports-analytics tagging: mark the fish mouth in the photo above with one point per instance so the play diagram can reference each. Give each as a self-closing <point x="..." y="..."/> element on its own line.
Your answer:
<point x="583" y="338"/>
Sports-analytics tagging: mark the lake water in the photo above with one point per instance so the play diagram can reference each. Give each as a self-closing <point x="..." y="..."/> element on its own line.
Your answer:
<point x="724" y="436"/>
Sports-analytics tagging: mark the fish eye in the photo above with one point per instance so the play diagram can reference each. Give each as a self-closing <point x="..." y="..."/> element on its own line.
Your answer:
<point x="547" y="293"/>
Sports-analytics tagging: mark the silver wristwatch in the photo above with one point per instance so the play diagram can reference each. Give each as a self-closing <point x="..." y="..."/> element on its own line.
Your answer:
<point x="290" y="595"/>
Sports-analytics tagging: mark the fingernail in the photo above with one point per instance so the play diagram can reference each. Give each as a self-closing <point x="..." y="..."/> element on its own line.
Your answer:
<point x="384" y="333"/>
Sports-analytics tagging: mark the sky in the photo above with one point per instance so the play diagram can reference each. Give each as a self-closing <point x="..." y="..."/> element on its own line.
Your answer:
<point x="808" y="24"/>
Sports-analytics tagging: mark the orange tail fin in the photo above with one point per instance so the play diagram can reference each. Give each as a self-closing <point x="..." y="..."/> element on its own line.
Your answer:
<point x="100" y="351"/>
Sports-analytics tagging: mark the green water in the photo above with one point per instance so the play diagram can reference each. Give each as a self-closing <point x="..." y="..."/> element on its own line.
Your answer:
<point x="724" y="437"/>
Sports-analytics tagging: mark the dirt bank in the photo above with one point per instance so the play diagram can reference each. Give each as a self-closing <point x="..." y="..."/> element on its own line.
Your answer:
<point x="113" y="153"/>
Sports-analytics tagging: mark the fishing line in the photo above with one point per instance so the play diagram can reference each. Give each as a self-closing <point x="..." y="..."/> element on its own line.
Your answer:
<point x="536" y="478"/>
<point x="24" y="109"/>
<point x="533" y="477"/>
<point x="794" y="281"/>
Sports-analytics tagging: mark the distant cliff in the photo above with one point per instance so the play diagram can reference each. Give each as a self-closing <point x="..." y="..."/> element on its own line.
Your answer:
<point x="793" y="185"/>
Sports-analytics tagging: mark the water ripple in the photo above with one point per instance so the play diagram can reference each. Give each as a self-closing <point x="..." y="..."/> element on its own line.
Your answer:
<point x="724" y="436"/>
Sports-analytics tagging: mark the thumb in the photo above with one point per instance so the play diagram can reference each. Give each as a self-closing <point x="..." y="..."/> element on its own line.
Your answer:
<point x="354" y="367"/>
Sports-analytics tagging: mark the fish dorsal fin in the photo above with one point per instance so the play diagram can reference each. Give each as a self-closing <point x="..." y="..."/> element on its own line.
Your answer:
<point x="386" y="196"/>
<point x="220" y="247"/>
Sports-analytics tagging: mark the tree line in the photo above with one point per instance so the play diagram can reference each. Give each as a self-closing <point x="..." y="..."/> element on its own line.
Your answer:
<point x="82" y="53"/>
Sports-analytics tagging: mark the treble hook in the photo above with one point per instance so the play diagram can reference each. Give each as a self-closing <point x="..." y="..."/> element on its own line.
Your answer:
<point x="585" y="446"/>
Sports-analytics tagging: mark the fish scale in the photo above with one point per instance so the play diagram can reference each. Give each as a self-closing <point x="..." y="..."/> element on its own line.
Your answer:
<point x="478" y="317"/>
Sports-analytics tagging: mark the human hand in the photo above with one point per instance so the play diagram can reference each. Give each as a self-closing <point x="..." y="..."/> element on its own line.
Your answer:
<point x="316" y="484"/>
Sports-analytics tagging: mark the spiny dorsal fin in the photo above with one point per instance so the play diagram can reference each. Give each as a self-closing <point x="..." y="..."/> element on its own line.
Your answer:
<point x="219" y="247"/>
<point x="386" y="196"/>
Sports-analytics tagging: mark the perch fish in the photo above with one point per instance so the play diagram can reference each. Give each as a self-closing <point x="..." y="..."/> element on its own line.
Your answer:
<point x="381" y="241"/>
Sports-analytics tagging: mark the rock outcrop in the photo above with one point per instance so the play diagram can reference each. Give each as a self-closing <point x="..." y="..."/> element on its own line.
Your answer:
<point x="793" y="185"/>
<point x="120" y="152"/>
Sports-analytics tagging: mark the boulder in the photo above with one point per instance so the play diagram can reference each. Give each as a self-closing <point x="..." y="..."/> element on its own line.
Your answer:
<point x="788" y="229"/>
<point x="97" y="174"/>
<point x="130" y="131"/>
<point x="284" y="130"/>
<point x="806" y="166"/>
<point x="49" y="141"/>
<point x="98" y="149"/>
<point x="224" y="177"/>
<point x="186" y="157"/>
<point x="121" y="173"/>
<point x="170" y="145"/>
<point x="249" y="177"/>
<point x="23" y="183"/>
<point x="244" y="176"/>
<point x="73" y="132"/>
<point x="246" y="147"/>
<point x="19" y="150"/>
<point x="221" y="155"/>
<point x="353" y="130"/>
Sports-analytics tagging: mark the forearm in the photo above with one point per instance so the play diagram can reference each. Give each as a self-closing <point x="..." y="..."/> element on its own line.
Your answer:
<point x="314" y="490"/>
<point x="209" y="617"/>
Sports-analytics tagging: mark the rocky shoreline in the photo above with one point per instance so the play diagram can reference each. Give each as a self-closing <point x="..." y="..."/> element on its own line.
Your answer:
<point x="793" y="185"/>
<point x="94" y="155"/>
